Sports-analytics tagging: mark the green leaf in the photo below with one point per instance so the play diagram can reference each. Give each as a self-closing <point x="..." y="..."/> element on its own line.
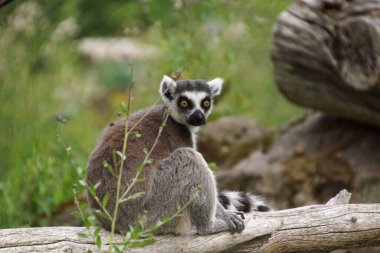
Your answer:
<point x="127" y="236"/>
<point x="166" y="218"/>
<point x="124" y="108"/>
<point x="74" y="189"/>
<point x="139" y="168"/>
<point x="136" y="134"/>
<point x="96" y="186"/>
<point x="87" y="222"/>
<point x="149" y="161"/>
<point x="83" y="206"/>
<point x="141" y="243"/>
<point x="82" y="182"/>
<point x="138" y="180"/>
<point x="178" y="207"/>
<point x="92" y="191"/>
<point x="98" y="242"/>
<point x="159" y="223"/>
<point x="135" y="233"/>
<point x="131" y="197"/>
<point x="213" y="166"/>
<point x="79" y="171"/>
<point x="147" y="242"/>
<point x="82" y="235"/>
<point x="102" y="214"/>
<point x="91" y="218"/>
<point x="145" y="150"/>
<point x="109" y="168"/>
<point x="117" y="249"/>
<point x="105" y="200"/>
<point x="121" y="155"/>
<point x="149" y="235"/>
<point x="96" y="232"/>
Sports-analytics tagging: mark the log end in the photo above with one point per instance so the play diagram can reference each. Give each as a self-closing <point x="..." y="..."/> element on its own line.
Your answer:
<point x="357" y="50"/>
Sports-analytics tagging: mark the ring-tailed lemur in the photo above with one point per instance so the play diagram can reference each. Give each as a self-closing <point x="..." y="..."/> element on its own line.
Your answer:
<point x="177" y="169"/>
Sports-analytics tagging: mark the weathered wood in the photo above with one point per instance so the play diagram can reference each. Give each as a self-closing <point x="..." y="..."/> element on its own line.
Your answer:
<point x="317" y="228"/>
<point x="326" y="55"/>
<point x="343" y="197"/>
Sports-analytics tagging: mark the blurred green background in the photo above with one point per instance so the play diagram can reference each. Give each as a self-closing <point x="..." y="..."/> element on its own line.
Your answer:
<point x="43" y="76"/>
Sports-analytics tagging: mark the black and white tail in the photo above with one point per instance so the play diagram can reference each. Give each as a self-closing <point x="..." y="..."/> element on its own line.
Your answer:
<point x="240" y="201"/>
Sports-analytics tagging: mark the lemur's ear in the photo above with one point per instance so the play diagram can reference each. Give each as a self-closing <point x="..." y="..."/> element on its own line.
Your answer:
<point x="216" y="86"/>
<point x="167" y="87"/>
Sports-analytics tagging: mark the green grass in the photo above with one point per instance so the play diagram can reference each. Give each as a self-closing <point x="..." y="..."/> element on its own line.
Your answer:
<point x="206" y="41"/>
<point x="41" y="78"/>
<point x="35" y="87"/>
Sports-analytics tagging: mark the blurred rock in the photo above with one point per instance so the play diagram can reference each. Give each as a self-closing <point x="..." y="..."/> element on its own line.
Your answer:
<point x="228" y="140"/>
<point x="117" y="49"/>
<point x="310" y="162"/>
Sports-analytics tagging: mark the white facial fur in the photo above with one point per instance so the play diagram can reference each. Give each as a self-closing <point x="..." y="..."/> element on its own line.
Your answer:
<point x="196" y="98"/>
<point x="216" y="86"/>
<point x="167" y="91"/>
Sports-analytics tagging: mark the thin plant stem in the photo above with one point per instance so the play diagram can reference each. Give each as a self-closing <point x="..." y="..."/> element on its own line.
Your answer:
<point x="125" y="142"/>
<point x="103" y="208"/>
<point x="66" y="147"/>
<point x="76" y="201"/>
<point x="147" y="156"/>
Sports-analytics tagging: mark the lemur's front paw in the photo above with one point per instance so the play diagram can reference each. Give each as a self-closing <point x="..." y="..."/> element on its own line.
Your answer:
<point x="235" y="221"/>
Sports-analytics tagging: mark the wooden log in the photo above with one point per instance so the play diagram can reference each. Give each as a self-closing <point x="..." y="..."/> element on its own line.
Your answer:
<point x="317" y="228"/>
<point x="326" y="56"/>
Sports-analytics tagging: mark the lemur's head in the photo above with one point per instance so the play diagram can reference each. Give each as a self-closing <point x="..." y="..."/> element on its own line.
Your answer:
<point x="190" y="101"/>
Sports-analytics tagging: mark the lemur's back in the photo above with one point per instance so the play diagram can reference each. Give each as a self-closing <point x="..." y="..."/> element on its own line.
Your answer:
<point x="173" y="136"/>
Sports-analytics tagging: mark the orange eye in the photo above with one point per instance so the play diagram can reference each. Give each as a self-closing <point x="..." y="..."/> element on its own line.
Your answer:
<point x="184" y="103"/>
<point x="206" y="104"/>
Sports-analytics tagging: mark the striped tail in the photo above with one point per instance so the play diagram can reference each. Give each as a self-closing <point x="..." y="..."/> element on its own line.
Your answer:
<point x="240" y="201"/>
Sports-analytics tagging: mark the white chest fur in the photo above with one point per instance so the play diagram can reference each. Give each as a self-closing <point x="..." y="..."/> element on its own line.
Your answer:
<point x="194" y="135"/>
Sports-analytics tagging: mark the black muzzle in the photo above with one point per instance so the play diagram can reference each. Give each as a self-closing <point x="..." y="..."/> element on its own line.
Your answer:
<point x="197" y="118"/>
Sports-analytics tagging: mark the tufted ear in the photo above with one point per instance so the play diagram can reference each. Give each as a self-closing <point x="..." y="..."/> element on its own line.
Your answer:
<point x="167" y="88"/>
<point x="216" y="86"/>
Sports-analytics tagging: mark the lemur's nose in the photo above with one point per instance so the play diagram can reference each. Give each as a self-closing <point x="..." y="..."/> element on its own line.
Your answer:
<point x="197" y="118"/>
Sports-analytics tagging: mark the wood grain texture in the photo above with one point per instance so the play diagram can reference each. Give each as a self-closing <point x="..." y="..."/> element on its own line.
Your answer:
<point x="326" y="56"/>
<point x="317" y="228"/>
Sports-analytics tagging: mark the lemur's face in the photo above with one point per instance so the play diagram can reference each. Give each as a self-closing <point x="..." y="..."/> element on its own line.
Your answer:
<point x="190" y="101"/>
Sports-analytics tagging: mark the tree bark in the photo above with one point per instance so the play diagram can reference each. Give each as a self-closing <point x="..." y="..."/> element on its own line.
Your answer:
<point x="318" y="228"/>
<point x="326" y="55"/>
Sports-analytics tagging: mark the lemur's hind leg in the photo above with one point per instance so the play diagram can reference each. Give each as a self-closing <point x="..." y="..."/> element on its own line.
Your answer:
<point x="175" y="184"/>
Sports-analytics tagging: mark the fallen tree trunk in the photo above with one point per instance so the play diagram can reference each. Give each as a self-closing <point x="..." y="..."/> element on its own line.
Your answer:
<point x="317" y="228"/>
<point x="326" y="56"/>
